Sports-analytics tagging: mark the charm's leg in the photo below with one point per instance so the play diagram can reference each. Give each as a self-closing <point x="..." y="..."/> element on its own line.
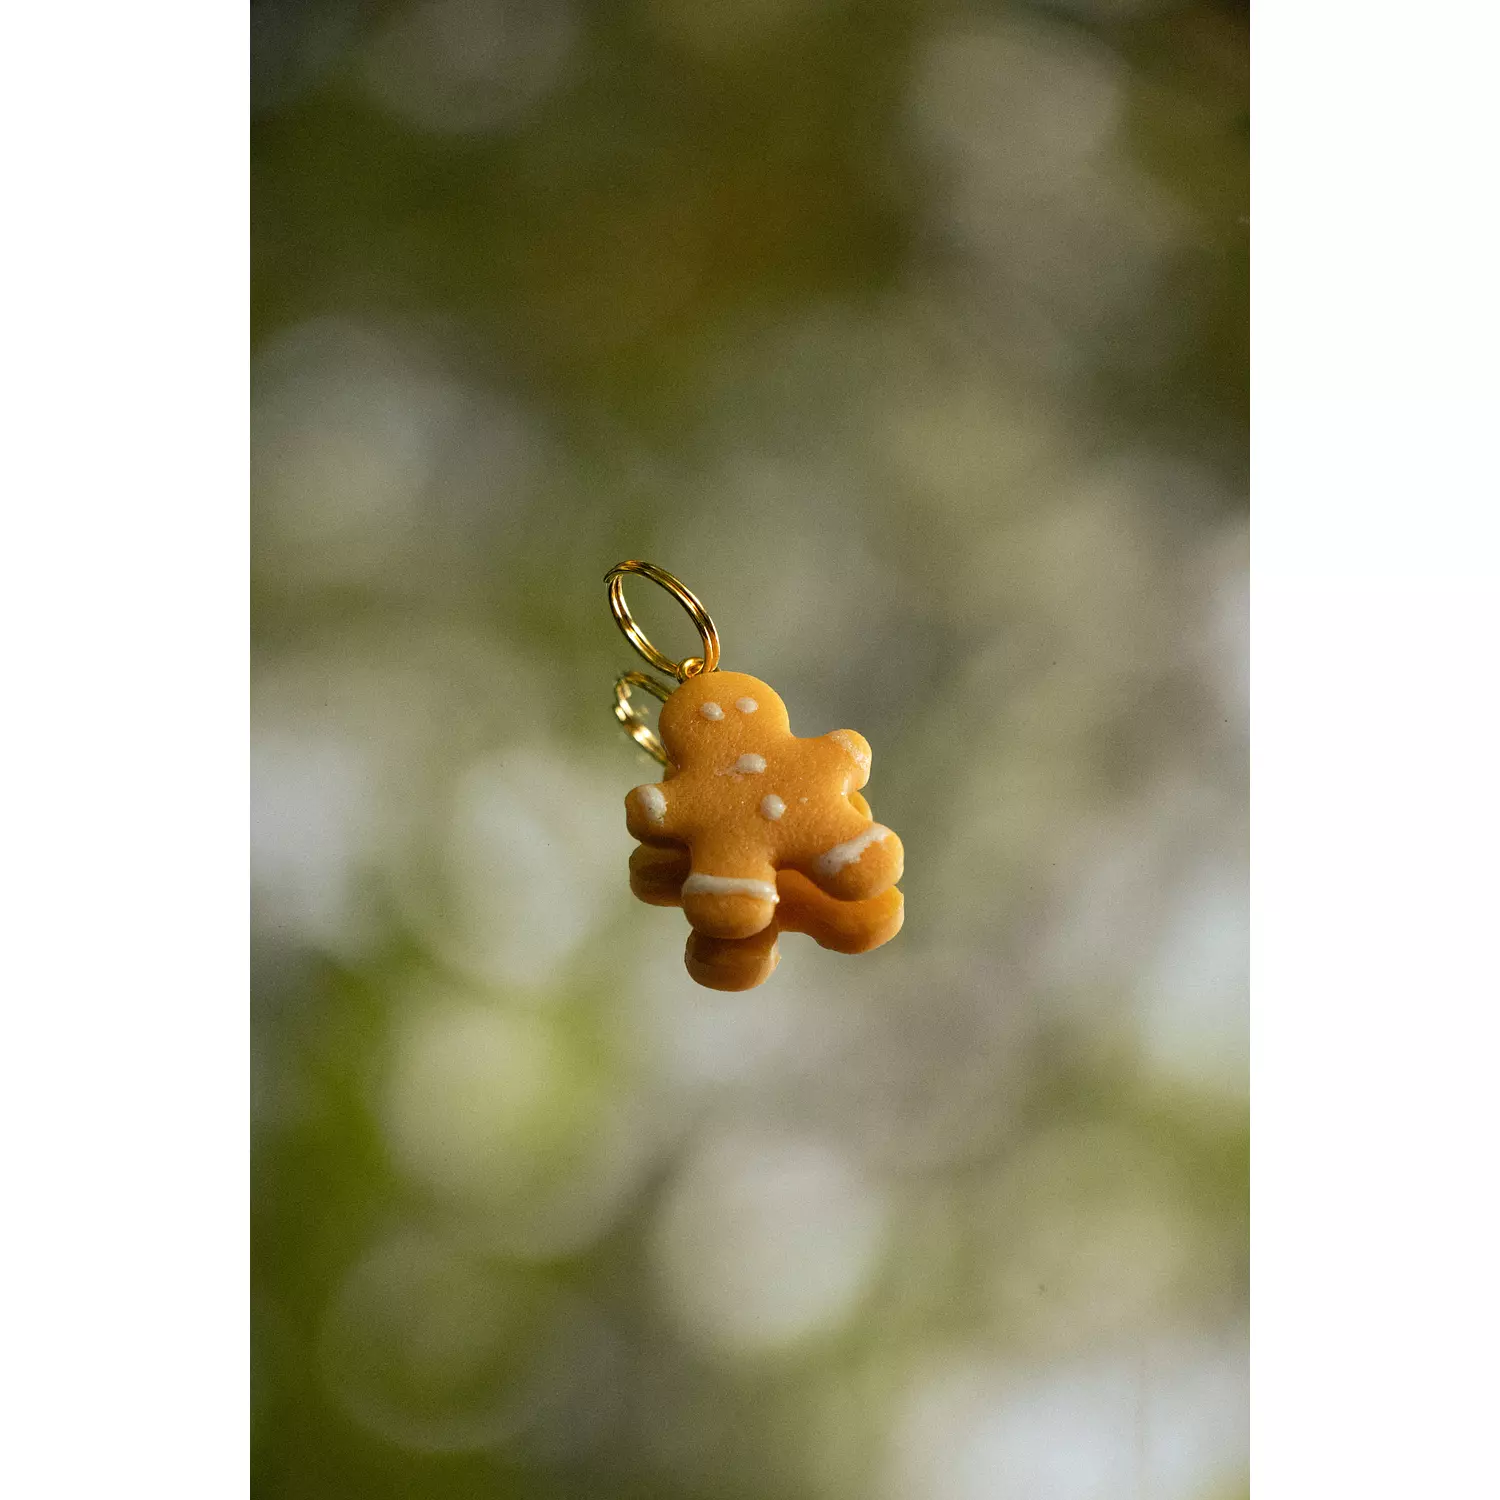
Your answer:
<point x="733" y="963"/>
<point x="858" y="862"/>
<point x="656" y="877"/>
<point x="728" y="894"/>
<point x="842" y="926"/>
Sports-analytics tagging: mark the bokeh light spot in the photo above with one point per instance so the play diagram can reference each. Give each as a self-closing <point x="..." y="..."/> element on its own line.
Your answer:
<point x="765" y="1241"/>
<point x="469" y="67"/>
<point x="434" y="1350"/>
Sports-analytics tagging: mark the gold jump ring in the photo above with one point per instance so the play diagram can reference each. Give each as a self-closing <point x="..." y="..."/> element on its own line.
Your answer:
<point x="636" y="726"/>
<point x="690" y="666"/>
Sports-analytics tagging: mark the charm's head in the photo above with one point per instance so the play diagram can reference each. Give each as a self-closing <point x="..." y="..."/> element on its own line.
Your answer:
<point x="722" y="712"/>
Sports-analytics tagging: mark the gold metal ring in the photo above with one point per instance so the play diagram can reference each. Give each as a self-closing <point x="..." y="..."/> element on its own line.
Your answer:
<point x="635" y="726"/>
<point x="690" y="666"/>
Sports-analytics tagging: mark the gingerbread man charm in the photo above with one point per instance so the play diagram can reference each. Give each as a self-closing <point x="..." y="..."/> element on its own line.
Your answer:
<point x="752" y="830"/>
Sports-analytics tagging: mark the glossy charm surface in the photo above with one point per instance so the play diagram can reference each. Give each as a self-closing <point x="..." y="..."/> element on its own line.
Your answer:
<point x="754" y="830"/>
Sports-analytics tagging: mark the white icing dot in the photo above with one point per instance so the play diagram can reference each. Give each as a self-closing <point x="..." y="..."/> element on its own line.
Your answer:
<point x="728" y="885"/>
<point x="654" y="801"/>
<point x="746" y="705"/>
<point x="711" y="711"/>
<point x="846" y="853"/>
<point x="772" y="807"/>
<point x="746" y="765"/>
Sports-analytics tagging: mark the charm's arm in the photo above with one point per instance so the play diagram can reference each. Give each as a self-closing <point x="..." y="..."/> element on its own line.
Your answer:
<point x="856" y="748"/>
<point x="657" y="873"/>
<point x="648" y="814"/>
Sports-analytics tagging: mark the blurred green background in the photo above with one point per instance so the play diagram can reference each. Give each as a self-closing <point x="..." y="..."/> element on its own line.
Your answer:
<point x="913" y="337"/>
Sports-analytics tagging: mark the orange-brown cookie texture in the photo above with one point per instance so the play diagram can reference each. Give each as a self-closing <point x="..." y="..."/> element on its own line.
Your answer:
<point x="748" y="798"/>
<point x="657" y="875"/>
<point x="732" y="963"/>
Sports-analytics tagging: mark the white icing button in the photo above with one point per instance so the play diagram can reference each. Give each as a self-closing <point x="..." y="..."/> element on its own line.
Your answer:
<point x="772" y="807"/>
<point x="749" y="765"/>
<point x="711" y="711"/>
<point x="746" y="705"/>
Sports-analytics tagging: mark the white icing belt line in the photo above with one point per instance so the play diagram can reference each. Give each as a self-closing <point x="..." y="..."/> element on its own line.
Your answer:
<point x="728" y="885"/>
